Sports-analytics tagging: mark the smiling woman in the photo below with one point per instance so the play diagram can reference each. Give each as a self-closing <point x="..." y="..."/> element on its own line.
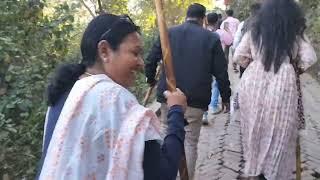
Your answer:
<point x="95" y="128"/>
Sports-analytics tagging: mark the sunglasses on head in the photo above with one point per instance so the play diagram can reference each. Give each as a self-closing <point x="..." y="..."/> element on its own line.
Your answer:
<point x="121" y="20"/>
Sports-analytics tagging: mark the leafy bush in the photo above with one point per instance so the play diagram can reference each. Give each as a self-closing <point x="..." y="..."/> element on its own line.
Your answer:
<point x="31" y="45"/>
<point x="35" y="37"/>
<point x="241" y="8"/>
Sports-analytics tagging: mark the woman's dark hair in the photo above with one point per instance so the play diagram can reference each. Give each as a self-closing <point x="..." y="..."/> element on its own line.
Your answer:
<point x="254" y="8"/>
<point x="63" y="80"/>
<point x="275" y="30"/>
<point x="107" y="27"/>
<point x="248" y="23"/>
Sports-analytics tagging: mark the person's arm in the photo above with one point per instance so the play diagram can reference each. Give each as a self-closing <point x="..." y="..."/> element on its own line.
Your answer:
<point x="172" y="147"/>
<point x="228" y="39"/>
<point x="163" y="162"/>
<point x="242" y="55"/>
<point x="220" y="71"/>
<point x="238" y="35"/>
<point x="151" y="63"/>
<point x="306" y="53"/>
<point x="52" y="117"/>
<point x="222" y="25"/>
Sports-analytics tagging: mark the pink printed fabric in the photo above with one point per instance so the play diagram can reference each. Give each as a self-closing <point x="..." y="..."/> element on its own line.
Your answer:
<point x="233" y="24"/>
<point x="100" y="134"/>
<point x="225" y="37"/>
<point x="268" y="110"/>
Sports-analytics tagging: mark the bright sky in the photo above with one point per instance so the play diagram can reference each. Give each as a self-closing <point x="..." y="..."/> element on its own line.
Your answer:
<point x="220" y="4"/>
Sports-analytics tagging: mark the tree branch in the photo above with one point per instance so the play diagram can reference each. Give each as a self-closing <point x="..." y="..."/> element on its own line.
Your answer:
<point x="100" y="7"/>
<point x="94" y="6"/>
<point x="87" y="7"/>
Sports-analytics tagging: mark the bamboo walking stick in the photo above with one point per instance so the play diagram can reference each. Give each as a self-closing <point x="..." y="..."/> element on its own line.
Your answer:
<point x="298" y="160"/>
<point x="168" y="67"/>
<point x="300" y="116"/>
<point x="165" y="46"/>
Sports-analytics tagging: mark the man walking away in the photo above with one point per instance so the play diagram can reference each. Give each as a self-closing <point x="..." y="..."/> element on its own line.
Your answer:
<point x="226" y="40"/>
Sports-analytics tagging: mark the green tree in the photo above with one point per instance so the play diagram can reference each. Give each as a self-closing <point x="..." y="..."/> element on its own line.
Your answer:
<point x="110" y="6"/>
<point x="175" y="11"/>
<point x="31" y="45"/>
<point x="242" y="8"/>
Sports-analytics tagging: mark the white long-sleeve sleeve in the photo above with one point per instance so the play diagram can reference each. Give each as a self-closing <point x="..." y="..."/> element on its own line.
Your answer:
<point x="238" y="35"/>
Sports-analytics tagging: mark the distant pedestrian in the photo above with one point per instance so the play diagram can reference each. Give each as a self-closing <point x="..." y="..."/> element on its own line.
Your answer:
<point x="226" y="40"/>
<point x="230" y="24"/>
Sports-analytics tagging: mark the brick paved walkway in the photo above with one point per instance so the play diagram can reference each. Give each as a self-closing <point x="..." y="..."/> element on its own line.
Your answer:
<point x="220" y="150"/>
<point x="310" y="137"/>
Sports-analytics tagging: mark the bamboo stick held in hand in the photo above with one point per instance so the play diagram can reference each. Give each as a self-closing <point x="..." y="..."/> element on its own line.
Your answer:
<point x="165" y="46"/>
<point x="168" y="67"/>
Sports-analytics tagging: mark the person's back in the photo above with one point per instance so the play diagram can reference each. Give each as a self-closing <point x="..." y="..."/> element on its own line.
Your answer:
<point x="230" y="23"/>
<point x="197" y="55"/>
<point x="226" y="40"/>
<point x="192" y="55"/>
<point x="214" y="26"/>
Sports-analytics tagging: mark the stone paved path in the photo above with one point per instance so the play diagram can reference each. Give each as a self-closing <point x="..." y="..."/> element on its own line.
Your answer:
<point x="220" y="149"/>
<point x="310" y="137"/>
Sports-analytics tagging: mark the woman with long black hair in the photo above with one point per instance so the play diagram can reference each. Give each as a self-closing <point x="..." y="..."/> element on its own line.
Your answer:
<point x="273" y="50"/>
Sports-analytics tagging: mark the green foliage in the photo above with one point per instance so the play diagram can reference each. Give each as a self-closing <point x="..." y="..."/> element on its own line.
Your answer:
<point x="115" y="6"/>
<point x="31" y="45"/>
<point x="175" y="11"/>
<point x="242" y="8"/>
<point x="312" y="9"/>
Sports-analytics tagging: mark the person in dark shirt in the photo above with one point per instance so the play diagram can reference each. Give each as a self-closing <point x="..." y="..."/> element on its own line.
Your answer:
<point x="160" y="161"/>
<point x="197" y="55"/>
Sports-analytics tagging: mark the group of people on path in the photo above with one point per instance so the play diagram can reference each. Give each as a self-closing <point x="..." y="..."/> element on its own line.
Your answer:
<point x="96" y="129"/>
